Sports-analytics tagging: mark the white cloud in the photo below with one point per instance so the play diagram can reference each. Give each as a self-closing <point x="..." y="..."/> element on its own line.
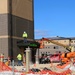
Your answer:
<point x="41" y="33"/>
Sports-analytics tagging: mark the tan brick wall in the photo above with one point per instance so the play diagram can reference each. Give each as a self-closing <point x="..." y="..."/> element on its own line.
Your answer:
<point x="4" y="46"/>
<point x="3" y="6"/>
<point x="22" y="8"/>
<point x="20" y="25"/>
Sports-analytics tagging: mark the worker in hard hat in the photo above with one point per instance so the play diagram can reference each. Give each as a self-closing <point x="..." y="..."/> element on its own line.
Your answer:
<point x="19" y="57"/>
<point x="25" y="36"/>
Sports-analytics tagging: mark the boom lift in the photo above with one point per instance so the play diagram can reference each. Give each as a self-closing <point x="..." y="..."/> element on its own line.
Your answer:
<point x="65" y="56"/>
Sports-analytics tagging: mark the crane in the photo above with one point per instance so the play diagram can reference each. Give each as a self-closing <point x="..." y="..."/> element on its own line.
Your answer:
<point x="65" y="56"/>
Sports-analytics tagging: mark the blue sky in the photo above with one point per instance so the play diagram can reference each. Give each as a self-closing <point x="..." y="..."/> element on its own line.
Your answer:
<point x="54" y="18"/>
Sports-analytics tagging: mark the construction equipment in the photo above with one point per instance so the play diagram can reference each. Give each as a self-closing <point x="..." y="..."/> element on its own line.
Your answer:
<point x="65" y="56"/>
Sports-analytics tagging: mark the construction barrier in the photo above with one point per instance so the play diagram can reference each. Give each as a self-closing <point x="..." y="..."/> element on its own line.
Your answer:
<point x="4" y="68"/>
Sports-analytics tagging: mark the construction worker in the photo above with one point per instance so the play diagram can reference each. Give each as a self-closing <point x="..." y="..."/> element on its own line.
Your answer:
<point x="25" y="36"/>
<point x="19" y="57"/>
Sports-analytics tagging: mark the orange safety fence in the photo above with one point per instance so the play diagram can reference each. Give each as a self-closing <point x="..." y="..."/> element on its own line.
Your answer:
<point x="49" y="72"/>
<point x="4" y="67"/>
<point x="63" y="66"/>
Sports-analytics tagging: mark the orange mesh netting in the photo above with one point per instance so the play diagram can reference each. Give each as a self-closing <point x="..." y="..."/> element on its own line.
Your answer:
<point x="4" y="67"/>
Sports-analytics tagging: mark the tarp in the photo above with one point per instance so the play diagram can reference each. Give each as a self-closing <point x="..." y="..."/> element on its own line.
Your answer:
<point x="55" y="58"/>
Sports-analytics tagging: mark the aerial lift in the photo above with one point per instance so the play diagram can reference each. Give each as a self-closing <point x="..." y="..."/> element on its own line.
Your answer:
<point x="65" y="57"/>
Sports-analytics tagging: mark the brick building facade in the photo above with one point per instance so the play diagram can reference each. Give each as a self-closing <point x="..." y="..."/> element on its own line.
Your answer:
<point x="16" y="16"/>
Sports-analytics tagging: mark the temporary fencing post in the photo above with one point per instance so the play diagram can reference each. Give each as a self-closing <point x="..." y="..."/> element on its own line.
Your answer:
<point x="13" y="67"/>
<point x="2" y="57"/>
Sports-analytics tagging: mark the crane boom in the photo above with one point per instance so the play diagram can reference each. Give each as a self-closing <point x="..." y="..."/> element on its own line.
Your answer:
<point x="57" y="43"/>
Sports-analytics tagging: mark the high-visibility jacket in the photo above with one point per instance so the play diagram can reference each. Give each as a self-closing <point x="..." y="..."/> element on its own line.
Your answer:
<point x="25" y="35"/>
<point x="19" y="57"/>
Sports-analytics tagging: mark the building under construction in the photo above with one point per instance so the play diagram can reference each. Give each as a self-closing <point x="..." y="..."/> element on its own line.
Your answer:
<point x="16" y="16"/>
<point x="56" y="45"/>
